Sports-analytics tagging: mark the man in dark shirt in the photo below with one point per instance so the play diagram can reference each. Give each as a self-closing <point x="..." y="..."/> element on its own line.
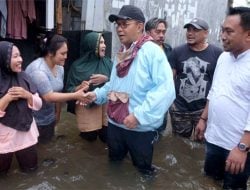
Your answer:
<point x="157" y="28"/>
<point x="193" y="65"/>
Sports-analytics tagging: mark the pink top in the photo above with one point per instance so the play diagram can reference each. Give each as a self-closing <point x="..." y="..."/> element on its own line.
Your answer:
<point x="12" y="140"/>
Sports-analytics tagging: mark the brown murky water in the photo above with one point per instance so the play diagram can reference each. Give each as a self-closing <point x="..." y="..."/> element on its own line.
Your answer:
<point x="69" y="163"/>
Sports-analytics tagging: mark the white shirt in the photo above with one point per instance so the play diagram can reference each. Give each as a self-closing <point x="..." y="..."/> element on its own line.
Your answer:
<point x="229" y="101"/>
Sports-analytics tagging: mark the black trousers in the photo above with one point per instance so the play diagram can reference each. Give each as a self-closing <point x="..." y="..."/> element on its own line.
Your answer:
<point x="46" y="132"/>
<point x="27" y="160"/>
<point x="138" y="144"/>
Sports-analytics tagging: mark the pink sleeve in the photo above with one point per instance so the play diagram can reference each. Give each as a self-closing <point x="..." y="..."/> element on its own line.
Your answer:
<point x="2" y="113"/>
<point x="37" y="102"/>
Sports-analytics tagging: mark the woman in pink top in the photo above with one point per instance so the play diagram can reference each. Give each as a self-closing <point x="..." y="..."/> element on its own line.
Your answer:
<point x="18" y="97"/>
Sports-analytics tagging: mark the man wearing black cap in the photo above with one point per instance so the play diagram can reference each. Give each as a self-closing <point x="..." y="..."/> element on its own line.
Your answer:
<point x="193" y="65"/>
<point x="139" y="92"/>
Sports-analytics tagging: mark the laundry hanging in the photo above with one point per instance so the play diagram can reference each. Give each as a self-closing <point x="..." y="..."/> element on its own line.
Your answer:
<point x="20" y="13"/>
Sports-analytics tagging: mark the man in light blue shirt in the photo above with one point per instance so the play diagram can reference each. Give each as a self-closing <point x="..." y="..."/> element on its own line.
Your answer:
<point x="140" y="91"/>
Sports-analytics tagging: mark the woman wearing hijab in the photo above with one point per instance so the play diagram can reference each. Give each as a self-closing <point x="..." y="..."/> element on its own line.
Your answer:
<point x="95" y="68"/>
<point x="18" y="97"/>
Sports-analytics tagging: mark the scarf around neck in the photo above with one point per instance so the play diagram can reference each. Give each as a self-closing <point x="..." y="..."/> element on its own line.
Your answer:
<point x="125" y="59"/>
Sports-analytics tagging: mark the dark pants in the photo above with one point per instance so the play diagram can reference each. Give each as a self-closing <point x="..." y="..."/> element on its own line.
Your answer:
<point x="215" y="168"/>
<point x="184" y="123"/>
<point x="46" y="132"/>
<point x="92" y="135"/>
<point x="138" y="144"/>
<point x="27" y="160"/>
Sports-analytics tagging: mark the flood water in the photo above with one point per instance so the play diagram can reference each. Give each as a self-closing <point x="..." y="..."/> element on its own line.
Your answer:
<point x="69" y="163"/>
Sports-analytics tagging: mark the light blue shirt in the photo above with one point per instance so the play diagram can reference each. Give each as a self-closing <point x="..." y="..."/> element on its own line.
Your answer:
<point x="46" y="82"/>
<point x="149" y="84"/>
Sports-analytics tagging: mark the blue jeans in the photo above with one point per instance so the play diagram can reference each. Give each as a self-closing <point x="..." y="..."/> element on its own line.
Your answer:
<point x="215" y="167"/>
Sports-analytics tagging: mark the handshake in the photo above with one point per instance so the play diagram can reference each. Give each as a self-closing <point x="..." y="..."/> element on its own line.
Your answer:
<point x="82" y="96"/>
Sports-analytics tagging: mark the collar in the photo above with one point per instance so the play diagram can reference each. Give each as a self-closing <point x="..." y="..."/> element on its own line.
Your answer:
<point x="130" y="48"/>
<point x="243" y="54"/>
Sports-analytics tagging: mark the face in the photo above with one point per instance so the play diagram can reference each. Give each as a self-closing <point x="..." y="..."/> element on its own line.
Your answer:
<point x="61" y="55"/>
<point x="158" y="33"/>
<point x="234" y="38"/>
<point x="195" y="36"/>
<point x="16" y="60"/>
<point x="128" y="31"/>
<point x="102" y="47"/>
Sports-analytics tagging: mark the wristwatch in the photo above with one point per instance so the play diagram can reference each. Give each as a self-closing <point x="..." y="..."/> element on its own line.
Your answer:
<point x="243" y="147"/>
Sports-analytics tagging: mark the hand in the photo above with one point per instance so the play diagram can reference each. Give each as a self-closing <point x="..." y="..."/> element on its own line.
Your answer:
<point x="84" y="85"/>
<point x="89" y="97"/>
<point x="79" y="96"/>
<point x="19" y="92"/>
<point x="97" y="79"/>
<point x="236" y="160"/>
<point x="130" y="121"/>
<point x="9" y="97"/>
<point x="200" y="130"/>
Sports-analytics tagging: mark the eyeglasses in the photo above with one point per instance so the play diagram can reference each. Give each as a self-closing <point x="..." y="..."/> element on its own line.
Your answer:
<point x="123" y="24"/>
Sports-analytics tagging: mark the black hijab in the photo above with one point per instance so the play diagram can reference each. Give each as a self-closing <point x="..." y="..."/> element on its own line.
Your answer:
<point x="18" y="115"/>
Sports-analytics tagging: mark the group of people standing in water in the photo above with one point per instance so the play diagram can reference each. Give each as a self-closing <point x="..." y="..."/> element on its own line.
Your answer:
<point x="125" y="102"/>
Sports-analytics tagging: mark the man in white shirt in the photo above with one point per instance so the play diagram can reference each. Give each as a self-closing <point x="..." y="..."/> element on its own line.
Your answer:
<point x="227" y="130"/>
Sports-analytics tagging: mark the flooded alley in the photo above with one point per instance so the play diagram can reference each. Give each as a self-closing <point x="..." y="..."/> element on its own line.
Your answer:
<point x="69" y="162"/>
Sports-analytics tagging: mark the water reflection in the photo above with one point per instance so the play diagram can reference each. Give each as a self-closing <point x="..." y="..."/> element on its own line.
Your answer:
<point x="69" y="162"/>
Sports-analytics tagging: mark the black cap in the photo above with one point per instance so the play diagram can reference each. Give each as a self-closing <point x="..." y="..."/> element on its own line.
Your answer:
<point x="198" y="23"/>
<point x="128" y="12"/>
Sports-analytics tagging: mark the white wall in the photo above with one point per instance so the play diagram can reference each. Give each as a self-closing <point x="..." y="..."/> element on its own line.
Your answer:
<point x="240" y="3"/>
